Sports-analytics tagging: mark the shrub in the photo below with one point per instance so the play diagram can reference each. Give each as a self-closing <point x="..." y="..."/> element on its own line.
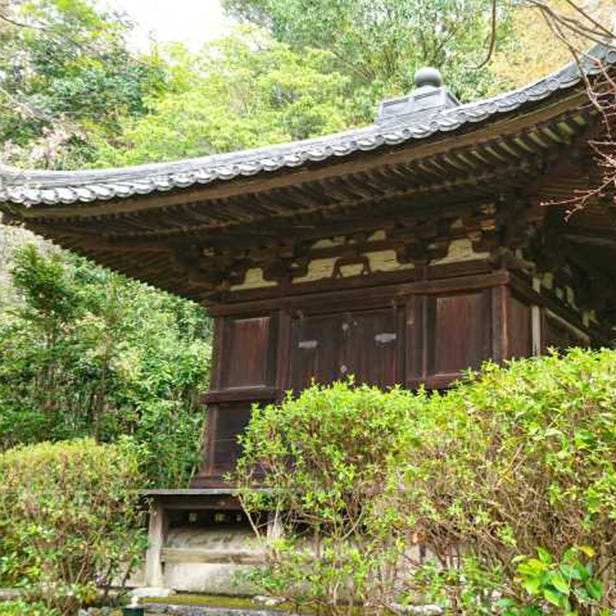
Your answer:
<point x="68" y="520"/>
<point x="517" y="458"/>
<point x="19" y="607"/>
<point x="513" y="459"/>
<point x="87" y="352"/>
<point x="325" y="458"/>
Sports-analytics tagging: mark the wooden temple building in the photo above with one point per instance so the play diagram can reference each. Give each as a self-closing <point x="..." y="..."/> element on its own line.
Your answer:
<point x="402" y="252"/>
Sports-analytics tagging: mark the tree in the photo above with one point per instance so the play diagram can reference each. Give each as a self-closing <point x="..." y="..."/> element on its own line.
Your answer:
<point x="89" y="353"/>
<point x="528" y="57"/>
<point x="66" y="71"/>
<point x="241" y="91"/>
<point x="381" y="43"/>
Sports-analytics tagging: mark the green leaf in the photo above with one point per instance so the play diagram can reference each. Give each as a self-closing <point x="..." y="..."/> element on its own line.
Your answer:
<point x="544" y="556"/>
<point x="555" y="598"/>
<point x="595" y="589"/>
<point x="570" y="572"/>
<point x="532" y="585"/>
<point x="559" y="582"/>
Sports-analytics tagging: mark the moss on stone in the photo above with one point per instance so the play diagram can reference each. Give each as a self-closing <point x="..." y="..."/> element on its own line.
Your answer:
<point x="211" y="600"/>
<point x="220" y="601"/>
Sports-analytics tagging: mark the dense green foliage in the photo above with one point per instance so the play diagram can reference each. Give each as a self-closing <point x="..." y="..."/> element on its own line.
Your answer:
<point x="381" y="43"/>
<point x="88" y="353"/>
<point x="65" y="74"/>
<point x="241" y="91"/>
<point x="515" y="459"/>
<point x="326" y="457"/>
<point x="74" y="94"/>
<point x="68" y="521"/>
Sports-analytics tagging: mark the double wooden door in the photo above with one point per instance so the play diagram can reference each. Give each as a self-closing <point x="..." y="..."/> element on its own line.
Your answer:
<point x="367" y="345"/>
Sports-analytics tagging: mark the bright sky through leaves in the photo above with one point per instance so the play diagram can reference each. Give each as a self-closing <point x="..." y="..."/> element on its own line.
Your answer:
<point x="190" y="21"/>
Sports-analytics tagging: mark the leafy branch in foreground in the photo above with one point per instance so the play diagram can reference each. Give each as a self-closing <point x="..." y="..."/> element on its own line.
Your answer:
<point x="394" y="498"/>
<point x="86" y="352"/>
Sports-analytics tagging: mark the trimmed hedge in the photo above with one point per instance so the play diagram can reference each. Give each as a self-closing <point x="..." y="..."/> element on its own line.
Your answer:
<point x="68" y="520"/>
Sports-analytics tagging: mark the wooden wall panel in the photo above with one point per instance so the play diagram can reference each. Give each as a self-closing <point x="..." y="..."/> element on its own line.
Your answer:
<point x="428" y="336"/>
<point x="365" y="344"/>
<point x="315" y="346"/>
<point x="229" y="420"/>
<point x="459" y="332"/>
<point x="372" y="345"/>
<point x="520" y="328"/>
<point x="245" y="352"/>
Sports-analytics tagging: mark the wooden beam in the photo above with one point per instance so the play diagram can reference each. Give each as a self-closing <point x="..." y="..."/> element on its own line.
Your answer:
<point x="451" y="186"/>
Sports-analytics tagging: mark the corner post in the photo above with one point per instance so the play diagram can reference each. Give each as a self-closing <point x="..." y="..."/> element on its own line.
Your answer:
<point x="157" y="529"/>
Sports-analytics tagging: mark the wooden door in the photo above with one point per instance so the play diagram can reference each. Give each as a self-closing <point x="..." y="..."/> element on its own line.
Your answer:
<point x="315" y="350"/>
<point x="372" y="347"/>
<point x="365" y="344"/>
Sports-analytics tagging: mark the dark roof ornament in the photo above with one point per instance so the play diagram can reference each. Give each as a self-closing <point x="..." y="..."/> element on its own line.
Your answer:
<point x="428" y="76"/>
<point x="429" y="98"/>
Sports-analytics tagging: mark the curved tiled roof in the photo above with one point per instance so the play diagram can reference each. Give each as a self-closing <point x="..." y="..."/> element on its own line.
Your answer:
<point x="57" y="187"/>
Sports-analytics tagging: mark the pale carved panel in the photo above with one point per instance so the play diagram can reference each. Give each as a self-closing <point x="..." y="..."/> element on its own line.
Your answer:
<point x="351" y="261"/>
<point x="459" y="251"/>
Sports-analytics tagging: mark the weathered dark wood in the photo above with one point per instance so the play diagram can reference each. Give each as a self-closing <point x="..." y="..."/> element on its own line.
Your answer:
<point x="500" y="323"/>
<point x="371" y="346"/>
<point x="246" y="349"/>
<point x="460" y="331"/>
<point x="315" y="342"/>
<point x="240" y="394"/>
<point x="372" y="295"/>
<point x="230" y="419"/>
<point x="561" y="335"/>
<point x="520" y="328"/>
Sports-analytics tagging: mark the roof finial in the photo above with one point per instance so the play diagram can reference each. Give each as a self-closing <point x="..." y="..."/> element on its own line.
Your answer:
<point x="428" y="98"/>
<point x="428" y="76"/>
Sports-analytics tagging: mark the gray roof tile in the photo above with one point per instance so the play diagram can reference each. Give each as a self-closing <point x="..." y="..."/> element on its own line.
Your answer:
<point x="28" y="187"/>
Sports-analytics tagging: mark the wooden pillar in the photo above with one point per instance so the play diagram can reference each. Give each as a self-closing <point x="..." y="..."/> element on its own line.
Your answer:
<point x="500" y="323"/>
<point x="157" y="530"/>
<point x="537" y="346"/>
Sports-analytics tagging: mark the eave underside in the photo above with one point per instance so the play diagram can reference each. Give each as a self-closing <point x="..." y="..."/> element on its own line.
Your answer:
<point x="199" y="243"/>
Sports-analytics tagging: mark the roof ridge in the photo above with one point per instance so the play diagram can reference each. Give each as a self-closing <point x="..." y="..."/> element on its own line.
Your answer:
<point x="28" y="187"/>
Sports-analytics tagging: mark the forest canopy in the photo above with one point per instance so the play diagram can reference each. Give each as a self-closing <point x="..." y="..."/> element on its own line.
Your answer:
<point x="74" y="93"/>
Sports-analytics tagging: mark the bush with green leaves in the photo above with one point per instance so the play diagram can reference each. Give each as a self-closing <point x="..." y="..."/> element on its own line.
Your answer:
<point x="513" y="459"/>
<point x="569" y="586"/>
<point x="324" y="459"/>
<point x="518" y="458"/>
<point x="21" y="607"/>
<point x="69" y="520"/>
<point x="87" y="352"/>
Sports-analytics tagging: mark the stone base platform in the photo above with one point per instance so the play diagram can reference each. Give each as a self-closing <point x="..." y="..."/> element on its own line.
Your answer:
<point x="200" y="541"/>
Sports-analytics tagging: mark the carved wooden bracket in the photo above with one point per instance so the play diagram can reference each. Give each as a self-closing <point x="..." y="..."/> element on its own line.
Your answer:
<point x="360" y="260"/>
<point x="285" y="269"/>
